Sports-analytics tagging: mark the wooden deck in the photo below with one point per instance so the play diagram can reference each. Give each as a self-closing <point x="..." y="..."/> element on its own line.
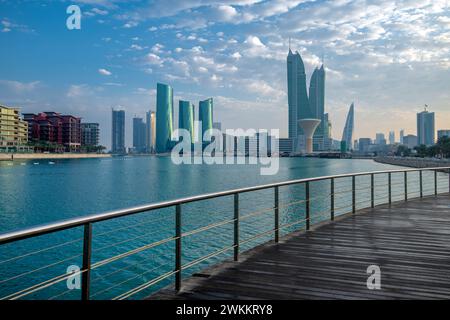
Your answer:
<point x="409" y="241"/>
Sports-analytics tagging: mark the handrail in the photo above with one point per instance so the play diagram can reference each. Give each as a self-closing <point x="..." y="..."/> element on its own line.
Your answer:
<point x="81" y="221"/>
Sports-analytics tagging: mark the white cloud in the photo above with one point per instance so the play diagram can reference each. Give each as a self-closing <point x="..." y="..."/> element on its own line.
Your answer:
<point x="104" y="72"/>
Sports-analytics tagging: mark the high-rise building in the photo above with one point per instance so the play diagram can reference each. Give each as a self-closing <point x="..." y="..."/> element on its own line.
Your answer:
<point x="150" y="131"/>
<point x="317" y="105"/>
<point x="443" y="133"/>
<point x="217" y="126"/>
<point x="391" y="137"/>
<point x="186" y="117"/>
<point x="364" y="143"/>
<point x="205" y="114"/>
<point x="118" y="132"/>
<point x="90" y="134"/>
<point x="164" y="117"/>
<point x="402" y="134"/>
<point x="139" y="130"/>
<point x="13" y="130"/>
<point x="410" y="141"/>
<point x="425" y="128"/>
<point x="347" y="135"/>
<point x="380" y="139"/>
<point x="298" y="103"/>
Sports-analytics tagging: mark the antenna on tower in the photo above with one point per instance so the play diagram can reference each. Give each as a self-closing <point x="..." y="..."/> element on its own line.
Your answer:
<point x="426" y="107"/>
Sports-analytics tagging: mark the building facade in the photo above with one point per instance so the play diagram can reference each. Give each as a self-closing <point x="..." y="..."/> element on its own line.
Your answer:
<point x="410" y="141"/>
<point x="205" y="115"/>
<point x="443" y="133"/>
<point x="150" y="131"/>
<point x="347" y="135"/>
<point x="139" y="131"/>
<point x="425" y="128"/>
<point x="186" y="117"/>
<point x="118" y="132"/>
<point x="90" y="134"/>
<point x="164" y="118"/>
<point x="13" y="130"/>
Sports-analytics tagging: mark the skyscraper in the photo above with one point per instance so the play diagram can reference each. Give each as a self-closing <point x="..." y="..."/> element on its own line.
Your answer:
<point x="205" y="114"/>
<point x="425" y="128"/>
<point x="139" y="130"/>
<point x="317" y="99"/>
<point x="391" y="137"/>
<point x="90" y="133"/>
<point x="347" y="135"/>
<point x="118" y="132"/>
<point x="150" y="131"/>
<point x="402" y="134"/>
<point x="186" y="117"/>
<point x="164" y="117"/>
<point x="298" y="102"/>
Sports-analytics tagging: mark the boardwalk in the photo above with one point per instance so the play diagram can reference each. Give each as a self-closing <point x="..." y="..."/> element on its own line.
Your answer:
<point x="409" y="241"/>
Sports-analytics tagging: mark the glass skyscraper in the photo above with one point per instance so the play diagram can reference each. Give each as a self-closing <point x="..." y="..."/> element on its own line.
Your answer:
<point x="186" y="117"/>
<point x="317" y="105"/>
<point x="150" y="131"/>
<point x="139" y="131"/>
<point x="298" y="102"/>
<point x="425" y="128"/>
<point x="118" y="132"/>
<point x="164" y="117"/>
<point x="205" y="114"/>
<point x="347" y="135"/>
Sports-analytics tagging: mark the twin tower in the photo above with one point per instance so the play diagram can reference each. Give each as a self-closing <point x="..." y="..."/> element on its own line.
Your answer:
<point x="308" y="122"/>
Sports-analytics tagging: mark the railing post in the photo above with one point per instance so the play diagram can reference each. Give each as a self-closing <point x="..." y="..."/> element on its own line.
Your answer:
<point x="353" y="194"/>
<point x="236" y="226"/>
<point x="435" y="183"/>
<point x="307" y="205"/>
<point x="277" y="215"/>
<point x="372" y="190"/>
<point x="406" y="185"/>
<point x="87" y="252"/>
<point x="178" y="247"/>
<point x="390" y="187"/>
<point x="332" y="198"/>
<point x="421" y="184"/>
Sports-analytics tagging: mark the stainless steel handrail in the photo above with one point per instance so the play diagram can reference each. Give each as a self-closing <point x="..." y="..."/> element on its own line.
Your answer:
<point x="80" y="221"/>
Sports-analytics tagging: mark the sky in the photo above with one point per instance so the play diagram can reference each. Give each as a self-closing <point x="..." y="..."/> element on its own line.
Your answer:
<point x="389" y="57"/>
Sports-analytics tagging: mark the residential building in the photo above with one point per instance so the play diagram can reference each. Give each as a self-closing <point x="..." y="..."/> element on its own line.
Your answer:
<point x="90" y="134"/>
<point x="13" y="130"/>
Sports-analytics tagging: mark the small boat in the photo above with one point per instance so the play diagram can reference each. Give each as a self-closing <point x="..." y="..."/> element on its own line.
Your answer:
<point x="36" y="163"/>
<point x="51" y="162"/>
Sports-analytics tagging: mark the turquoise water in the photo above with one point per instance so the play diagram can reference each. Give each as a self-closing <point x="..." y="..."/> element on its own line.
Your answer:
<point x="33" y="194"/>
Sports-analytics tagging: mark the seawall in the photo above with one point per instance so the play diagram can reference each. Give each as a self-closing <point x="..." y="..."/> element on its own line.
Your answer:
<point x="36" y="156"/>
<point x="414" y="162"/>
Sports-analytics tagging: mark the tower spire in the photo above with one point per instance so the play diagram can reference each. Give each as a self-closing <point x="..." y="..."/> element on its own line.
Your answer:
<point x="289" y="43"/>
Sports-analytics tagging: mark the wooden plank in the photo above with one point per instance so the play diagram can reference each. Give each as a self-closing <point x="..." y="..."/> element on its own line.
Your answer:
<point x="409" y="241"/>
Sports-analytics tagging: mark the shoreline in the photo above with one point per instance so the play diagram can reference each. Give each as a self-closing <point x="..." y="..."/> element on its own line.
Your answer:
<point x="42" y="156"/>
<point x="413" y="162"/>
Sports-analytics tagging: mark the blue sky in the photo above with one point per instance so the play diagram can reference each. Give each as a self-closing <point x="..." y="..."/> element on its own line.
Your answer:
<point x="390" y="57"/>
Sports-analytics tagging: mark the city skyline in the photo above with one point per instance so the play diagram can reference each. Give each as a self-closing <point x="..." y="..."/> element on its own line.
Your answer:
<point x="390" y="60"/>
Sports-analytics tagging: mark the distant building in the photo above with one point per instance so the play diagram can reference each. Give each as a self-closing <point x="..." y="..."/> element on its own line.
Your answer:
<point x="443" y="133"/>
<point x="410" y="141"/>
<point x="347" y="135"/>
<point x="139" y="130"/>
<point x="402" y="134"/>
<point x="364" y="144"/>
<point x="425" y="128"/>
<point x="186" y="117"/>
<point x="150" y="131"/>
<point x="285" y="145"/>
<point x="391" y="137"/>
<point x="205" y="114"/>
<point x="355" y="145"/>
<point x="13" y="130"/>
<point x="380" y="139"/>
<point x="52" y="127"/>
<point x="217" y="126"/>
<point x="164" y="117"/>
<point x="118" y="132"/>
<point x="90" y="134"/>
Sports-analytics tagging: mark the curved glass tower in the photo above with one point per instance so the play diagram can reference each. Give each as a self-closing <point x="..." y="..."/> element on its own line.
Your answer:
<point x="297" y="96"/>
<point x="164" y="116"/>
<point x="317" y="98"/>
<point x="205" y="114"/>
<point x="347" y="135"/>
<point x="186" y="117"/>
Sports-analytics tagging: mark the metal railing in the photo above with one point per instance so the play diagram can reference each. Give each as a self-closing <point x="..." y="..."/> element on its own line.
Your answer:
<point x="326" y="197"/>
